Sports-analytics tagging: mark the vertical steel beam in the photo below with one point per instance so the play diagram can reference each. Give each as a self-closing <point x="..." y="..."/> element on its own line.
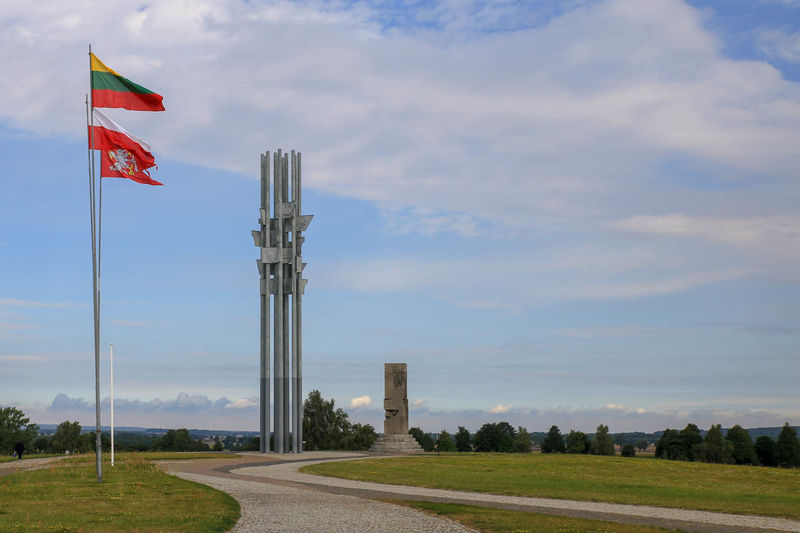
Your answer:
<point x="286" y="267"/>
<point x="298" y="310"/>
<point x="279" y="315"/>
<point x="293" y="266"/>
<point x="264" y="320"/>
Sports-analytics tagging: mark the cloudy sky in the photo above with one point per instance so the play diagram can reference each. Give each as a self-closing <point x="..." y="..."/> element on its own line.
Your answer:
<point x="571" y="212"/>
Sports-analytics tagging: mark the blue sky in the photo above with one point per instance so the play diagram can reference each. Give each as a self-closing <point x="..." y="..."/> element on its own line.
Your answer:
<point x="571" y="213"/>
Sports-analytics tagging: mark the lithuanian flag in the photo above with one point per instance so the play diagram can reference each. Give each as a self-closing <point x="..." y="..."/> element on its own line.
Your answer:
<point x="109" y="89"/>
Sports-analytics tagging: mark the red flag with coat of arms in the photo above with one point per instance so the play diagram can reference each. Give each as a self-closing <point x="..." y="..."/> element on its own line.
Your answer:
<point x="122" y="154"/>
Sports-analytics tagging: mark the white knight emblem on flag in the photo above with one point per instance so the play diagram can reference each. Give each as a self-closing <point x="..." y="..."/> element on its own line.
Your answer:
<point x="123" y="161"/>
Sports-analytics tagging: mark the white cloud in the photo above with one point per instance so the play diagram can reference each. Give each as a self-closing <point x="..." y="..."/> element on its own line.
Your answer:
<point x="612" y="332"/>
<point x="418" y="402"/>
<point x="552" y="120"/>
<point x="127" y="323"/>
<point x="15" y="326"/>
<point x="500" y="408"/>
<point x="243" y="403"/>
<point x="13" y="302"/>
<point x="23" y="358"/>
<point x="361" y="401"/>
<point x="781" y="44"/>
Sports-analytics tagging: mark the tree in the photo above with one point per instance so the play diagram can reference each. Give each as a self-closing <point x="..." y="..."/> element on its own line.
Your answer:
<point x="463" y="440"/>
<point x="423" y="438"/>
<point x="497" y="437"/>
<point x="179" y="440"/>
<point x="715" y="449"/>
<point x="787" y="447"/>
<point x="445" y="442"/>
<point x="766" y="451"/>
<point x="628" y="450"/>
<point x="66" y="437"/>
<point x="15" y="427"/>
<point x="642" y="444"/>
<point x="744" y="452"/>
<point x="690" y="440"/>
<point x="358" y="438"/>
<point x="252" y="445"/>
<point x="670" y="446"/>
<point x="41" y="444"/>
<point x="522" y="442"/>
<point x="323" y="426"/>
<point x="578" y="442"/>
<point x="553" y="442"/>
<point x="602" y="444"/>
<point x="218" y="447"/>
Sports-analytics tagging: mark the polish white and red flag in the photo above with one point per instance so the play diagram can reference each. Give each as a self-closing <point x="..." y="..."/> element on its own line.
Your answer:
<point x="122" y="154"/>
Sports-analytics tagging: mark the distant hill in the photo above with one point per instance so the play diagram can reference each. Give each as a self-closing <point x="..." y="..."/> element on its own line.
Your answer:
<point x="49" y="429"/>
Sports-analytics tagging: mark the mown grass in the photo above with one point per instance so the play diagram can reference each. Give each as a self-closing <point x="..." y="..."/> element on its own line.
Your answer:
<point x="489" y="520"/>
<point x="134" y="496"/>
<point x="725" y="488"/>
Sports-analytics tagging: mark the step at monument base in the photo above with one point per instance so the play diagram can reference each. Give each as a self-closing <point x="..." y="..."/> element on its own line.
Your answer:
<point x="397" y="444"/>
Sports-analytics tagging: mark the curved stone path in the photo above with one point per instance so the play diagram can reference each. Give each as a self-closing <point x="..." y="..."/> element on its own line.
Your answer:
<point x="276" y="497"/>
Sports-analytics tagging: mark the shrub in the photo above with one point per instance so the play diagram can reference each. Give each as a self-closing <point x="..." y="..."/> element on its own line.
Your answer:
<point x="628" y="450"/>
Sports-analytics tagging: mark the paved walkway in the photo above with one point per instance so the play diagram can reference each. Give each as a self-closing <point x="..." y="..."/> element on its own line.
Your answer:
<point x="276" y="497"/>
<point x="26" y="464"/>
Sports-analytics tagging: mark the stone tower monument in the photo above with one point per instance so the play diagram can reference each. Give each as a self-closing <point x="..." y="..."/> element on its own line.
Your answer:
<point x="395" y="381"/>
<point x="395" y="436"/>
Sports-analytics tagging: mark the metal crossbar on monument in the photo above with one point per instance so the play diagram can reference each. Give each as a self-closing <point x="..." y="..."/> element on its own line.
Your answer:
<point x="280" y="267"/>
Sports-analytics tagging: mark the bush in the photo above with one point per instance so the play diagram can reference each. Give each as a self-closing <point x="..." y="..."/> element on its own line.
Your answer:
<point x="628" y="450"/>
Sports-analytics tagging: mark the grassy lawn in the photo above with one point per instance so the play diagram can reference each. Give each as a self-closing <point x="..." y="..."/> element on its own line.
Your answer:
<point x="134" y="496"/>
<point x="500" y="521"/>
<point x="726" y="488"/>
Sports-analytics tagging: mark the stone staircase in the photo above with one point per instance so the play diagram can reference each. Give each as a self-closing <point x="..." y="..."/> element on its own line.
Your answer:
<point x="396" y="444"/>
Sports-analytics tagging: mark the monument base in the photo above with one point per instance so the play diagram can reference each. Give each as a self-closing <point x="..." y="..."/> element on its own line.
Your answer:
<point x="396" y="444"/>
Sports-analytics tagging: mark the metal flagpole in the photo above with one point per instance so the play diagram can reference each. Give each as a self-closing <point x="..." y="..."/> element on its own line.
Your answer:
<point x="111" y="379"/>
<point x="95" y="278"/>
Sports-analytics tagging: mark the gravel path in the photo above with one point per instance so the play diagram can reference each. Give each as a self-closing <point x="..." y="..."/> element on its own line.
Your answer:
<point x="26" y="464"/>
<point x="275" y="508"/>
<point x="287" y="472"/>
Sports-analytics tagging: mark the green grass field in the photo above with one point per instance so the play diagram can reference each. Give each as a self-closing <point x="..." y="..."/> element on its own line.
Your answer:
<point x="134" y="496"/>
<point x="725" y="488"/>
<point x="501" y="521"/>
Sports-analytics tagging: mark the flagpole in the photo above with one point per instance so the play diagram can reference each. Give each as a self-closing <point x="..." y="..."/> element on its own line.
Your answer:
<point x="111" y="365"/>
<point x="95" y="280"/>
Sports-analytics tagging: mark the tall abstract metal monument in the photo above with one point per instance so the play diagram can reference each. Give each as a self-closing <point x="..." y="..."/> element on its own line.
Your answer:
<point x="280" y="239"/>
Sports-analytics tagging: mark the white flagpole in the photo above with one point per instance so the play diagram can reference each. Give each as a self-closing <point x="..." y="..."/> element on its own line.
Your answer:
<point x="111" y="364"/>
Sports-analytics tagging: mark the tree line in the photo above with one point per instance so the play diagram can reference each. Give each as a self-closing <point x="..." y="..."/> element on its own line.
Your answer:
<point x="734" y="447"/>
<point x="502" y="437"/>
